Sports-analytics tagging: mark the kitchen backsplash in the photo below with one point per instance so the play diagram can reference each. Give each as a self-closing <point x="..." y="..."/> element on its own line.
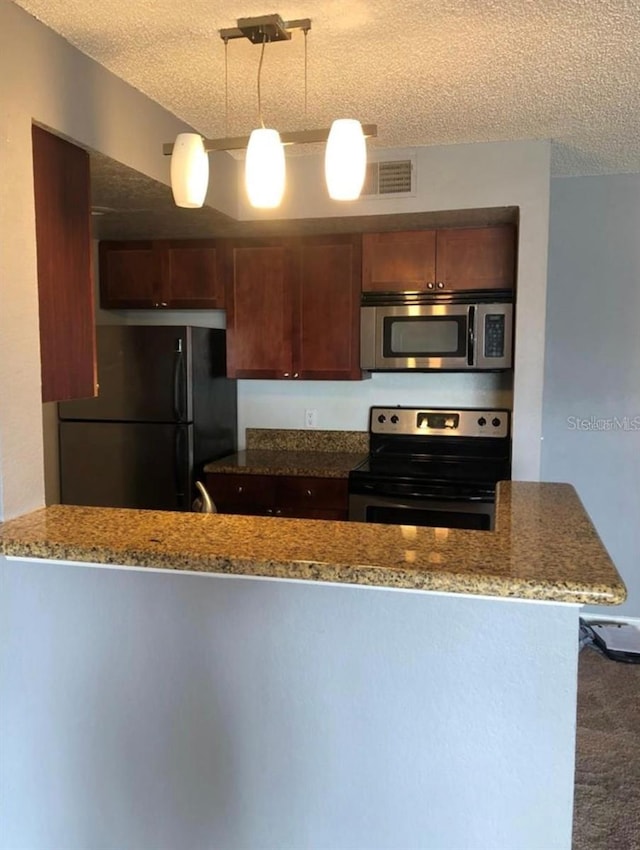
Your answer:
<point x="276" y="439"/>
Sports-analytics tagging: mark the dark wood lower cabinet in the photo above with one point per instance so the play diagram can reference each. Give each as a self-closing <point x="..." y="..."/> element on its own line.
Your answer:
<point x="293" y="496"/>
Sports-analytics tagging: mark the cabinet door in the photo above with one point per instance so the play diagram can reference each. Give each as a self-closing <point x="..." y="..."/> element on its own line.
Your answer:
<point x="191" y="275"/>
<point x="476" y="258"/>
<point x="399" y="261"/>
<point x="131" y="275"/>
<point x="65" y="289"/>
<point x="259" y="312"/>
<point x="327" y="309"/>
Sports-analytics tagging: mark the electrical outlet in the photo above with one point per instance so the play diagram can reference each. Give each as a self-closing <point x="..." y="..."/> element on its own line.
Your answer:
<point x="311" y="418"/>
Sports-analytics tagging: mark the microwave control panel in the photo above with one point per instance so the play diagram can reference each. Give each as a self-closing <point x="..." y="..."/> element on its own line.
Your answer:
<point x="494" y="335"/>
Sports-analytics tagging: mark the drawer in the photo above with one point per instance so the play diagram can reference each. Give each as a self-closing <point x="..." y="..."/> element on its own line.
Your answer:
<point x="230" y="491"/>
<point x="321" y="494"/>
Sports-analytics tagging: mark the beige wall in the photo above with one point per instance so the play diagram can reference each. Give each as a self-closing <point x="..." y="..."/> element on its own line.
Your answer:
<point x="46" y="80"/>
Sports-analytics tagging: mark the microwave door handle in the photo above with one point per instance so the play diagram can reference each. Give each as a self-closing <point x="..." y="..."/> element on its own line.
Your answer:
<point x="471" y="339"/>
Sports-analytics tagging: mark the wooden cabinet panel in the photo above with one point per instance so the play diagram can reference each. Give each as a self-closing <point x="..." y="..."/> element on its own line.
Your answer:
<point x="476" y="258"/>
<point x="447" y="259"/>
<point x="175" y="274"/>
<point x="290" y="496"/>
<point x="293" y="308"/>
<point x="65" y="290"/>
<point x="327" y="309"/>
<point x="130" y="275"/>
<point x="192" y="275"/>
<point x="398" y="261"/>
<point x="259" y="313"/>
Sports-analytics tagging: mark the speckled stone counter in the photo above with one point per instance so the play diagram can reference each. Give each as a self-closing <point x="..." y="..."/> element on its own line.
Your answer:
<point x="312" y="440"/>
<point x="544" y="547"/>
<point x="314" y="453"/>
<point x="271" y="462"/>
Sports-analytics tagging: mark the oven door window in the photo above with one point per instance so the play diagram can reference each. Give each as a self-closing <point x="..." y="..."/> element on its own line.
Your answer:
<point x="424" y="517"/>
<point x="425" y="336"/>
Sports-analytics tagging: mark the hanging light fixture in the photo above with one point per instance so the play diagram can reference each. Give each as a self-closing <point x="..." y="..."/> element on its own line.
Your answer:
<point x="345" y="154"/>
<point x="189" y="170"/>
<point x="264" y="169"/>
<point x="264" y="165"/>
<point x="345" y="160"/>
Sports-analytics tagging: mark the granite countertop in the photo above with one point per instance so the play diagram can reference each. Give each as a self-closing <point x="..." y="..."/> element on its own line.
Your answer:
<point x="283" y="462"/>
<point x="314" y="453"/>
<point x="544" y="547"/>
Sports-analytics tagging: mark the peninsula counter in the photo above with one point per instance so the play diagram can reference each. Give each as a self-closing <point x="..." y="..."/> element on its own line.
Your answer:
<point x="244" y="682"/>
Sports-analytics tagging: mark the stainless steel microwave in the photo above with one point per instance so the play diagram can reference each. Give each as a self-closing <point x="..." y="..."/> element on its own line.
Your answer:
<point x="449" y="331"/>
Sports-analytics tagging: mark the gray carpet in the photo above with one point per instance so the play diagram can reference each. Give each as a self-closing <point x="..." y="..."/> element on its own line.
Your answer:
<point x="607" y="790"/>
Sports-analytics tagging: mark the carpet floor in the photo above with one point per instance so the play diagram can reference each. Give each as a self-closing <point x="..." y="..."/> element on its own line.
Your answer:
<point x="607" y="789"/>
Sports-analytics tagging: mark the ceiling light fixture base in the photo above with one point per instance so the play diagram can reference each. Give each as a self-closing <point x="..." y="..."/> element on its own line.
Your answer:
<point x="265" y="28"/>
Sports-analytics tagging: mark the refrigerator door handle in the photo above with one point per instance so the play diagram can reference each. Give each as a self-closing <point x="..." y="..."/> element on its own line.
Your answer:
<point x="179" y="383"/>
<point x="181" y="465"/>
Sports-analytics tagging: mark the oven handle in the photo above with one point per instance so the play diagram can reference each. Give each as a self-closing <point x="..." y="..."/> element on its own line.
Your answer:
<point x="392" y="493"/>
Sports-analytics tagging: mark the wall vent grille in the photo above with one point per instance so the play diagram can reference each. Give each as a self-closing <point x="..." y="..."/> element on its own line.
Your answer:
<point x="392" y="177"/>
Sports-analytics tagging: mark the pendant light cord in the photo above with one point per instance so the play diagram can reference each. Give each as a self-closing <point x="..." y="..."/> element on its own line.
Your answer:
<point x="305" y="78"/>
<point x="264" y="41"/>
<point x="226" y="86"/>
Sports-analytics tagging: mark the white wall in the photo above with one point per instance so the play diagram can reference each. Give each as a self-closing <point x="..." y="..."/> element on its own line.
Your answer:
<point x="448" y="178"/>
<point x="592" y="369"/>
<point x="146" y="711"/>
<point x="46" y="80"/>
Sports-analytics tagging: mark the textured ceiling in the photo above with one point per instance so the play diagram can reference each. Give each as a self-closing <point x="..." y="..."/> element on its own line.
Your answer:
<point x="426" y="72"/>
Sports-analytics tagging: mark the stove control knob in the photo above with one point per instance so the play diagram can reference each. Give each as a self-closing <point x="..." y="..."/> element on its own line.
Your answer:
<point x="495" y="422"/>
<point x="482" y="421"/>
<point x="394" y="419"/>
<point x="382" y="418"/>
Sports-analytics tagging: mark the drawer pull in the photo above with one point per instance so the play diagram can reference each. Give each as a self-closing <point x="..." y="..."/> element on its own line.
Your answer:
<point x="240" y="488"/>
<point x="309" y="493"/>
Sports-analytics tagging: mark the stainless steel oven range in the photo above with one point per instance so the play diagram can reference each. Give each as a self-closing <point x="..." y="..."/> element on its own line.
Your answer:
<point x="432" y="467"/>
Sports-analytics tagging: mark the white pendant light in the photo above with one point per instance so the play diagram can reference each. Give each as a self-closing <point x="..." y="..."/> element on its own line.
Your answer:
<point x="345" y="160"/>
<point x="189" y="170"/>
<point x="264" y="169"/>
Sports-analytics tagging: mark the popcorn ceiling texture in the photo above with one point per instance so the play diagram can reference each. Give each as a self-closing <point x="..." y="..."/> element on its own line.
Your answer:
<point x="427" y="73"/>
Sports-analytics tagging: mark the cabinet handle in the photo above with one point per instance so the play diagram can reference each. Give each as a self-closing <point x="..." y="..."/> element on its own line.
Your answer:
<point x="269" y="511"/>
<point x="295" y="375"/>
<point x="278" y="512"/>
<point x="240" y="488"/>
<point x="286" y="374"/>
<point x="440" y="284"/>
<point x="163" y="303"/>
<point x="430" y="284"/>
<point x="309" y="493"/>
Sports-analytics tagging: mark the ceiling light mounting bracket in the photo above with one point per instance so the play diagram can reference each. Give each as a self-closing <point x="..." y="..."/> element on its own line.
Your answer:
<point x="265" y="28"/>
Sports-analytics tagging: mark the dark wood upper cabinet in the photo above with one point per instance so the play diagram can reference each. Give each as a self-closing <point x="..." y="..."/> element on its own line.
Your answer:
<point x="259" y="316"/>
<point x="447" y="259"/>
<point x="293" y="308"/>
<point x="157" y="274"/>
<point x="398" y="261"/>
<point x="65" y="290"/>
<point x="130" y="274"/>
<point x="327" y="308"/>
<point x="476" y="258"/>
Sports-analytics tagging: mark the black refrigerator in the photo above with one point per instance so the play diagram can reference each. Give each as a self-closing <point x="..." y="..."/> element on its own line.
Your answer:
<point x="165" y="408"/>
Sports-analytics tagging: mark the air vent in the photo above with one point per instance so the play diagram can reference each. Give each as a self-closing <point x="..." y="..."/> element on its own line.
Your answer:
<point x="392" y="177"/>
